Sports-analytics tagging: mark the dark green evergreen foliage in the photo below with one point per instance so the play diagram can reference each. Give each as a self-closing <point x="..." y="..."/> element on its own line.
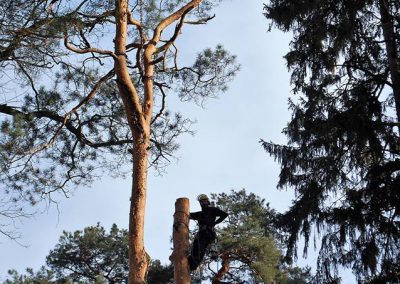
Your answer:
<point x="86" y="255"/>
<point x="43" y="276"/>
<point x="25" y="36"/>
<point x="209" y="65"/>
<point x="247" y="241"/>
<point x="90" y="256"/>
<point x="30" y="277"/>
<point x="247" y="211"/>
<point x="159" y="273"/>
<point x="294" y="275"/>
<point x="245" y="237"/>
<point x="65" y="124"/>
<point x="342" y="157"/>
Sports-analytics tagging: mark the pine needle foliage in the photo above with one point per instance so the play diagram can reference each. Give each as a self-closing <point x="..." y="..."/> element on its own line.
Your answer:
<point x="63" y="120"/>
<point x="91" y="255"/>
<point x="249" y="249"/>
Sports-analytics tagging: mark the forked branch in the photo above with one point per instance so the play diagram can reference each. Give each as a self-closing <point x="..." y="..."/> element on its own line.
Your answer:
<point x="172" y="18"/>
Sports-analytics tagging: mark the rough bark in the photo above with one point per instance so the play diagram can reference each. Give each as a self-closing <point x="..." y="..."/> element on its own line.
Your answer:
<point x="392" y="56"/>
<point x="127" y="89"/>
<point x="138" y="262"/>
<point x="139" y="115"/>
<point x="138" y="109"/>
<point x="180" y="237"/>
<point x="140" y="132"/>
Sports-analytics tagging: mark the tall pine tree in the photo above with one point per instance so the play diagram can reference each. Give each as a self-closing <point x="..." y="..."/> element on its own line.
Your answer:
<point x="342" y="156"/>
<point x="91" y="255"/>
<point x="96" y="97"/>
<point x="249" y="250"/>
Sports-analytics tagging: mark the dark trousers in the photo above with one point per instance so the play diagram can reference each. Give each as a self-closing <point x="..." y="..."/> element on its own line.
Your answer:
<point x="200" y="243"/>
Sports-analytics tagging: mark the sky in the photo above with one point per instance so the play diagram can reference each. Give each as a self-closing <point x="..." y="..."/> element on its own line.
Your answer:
<point x="224" y="153"/>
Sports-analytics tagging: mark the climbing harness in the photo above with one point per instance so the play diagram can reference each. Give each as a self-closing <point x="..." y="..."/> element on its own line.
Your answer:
<point x="213" y="249"/>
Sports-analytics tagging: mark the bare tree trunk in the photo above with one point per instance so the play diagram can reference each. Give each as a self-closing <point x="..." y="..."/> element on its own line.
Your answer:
<point x="392" y="56"/>
<point x="140" y="132"/>
<point x="180" y="237"/>
<point x="139" y="115"/>
<point x="138" y="263"/>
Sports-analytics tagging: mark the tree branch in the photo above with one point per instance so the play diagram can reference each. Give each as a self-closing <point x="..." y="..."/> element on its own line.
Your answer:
<point x="175" y="35"/>
<point x="87" y="50"/>
<point x="64" y="122"/>
<point x="200" y="21"/>
<point x="31" y="83"/>
<point x="172" y="18"/>
<point x="93" y="91"/>
<point x="160" y="86"/>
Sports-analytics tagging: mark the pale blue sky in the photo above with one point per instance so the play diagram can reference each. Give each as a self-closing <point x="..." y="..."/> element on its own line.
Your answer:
<point x="224" y="154"/>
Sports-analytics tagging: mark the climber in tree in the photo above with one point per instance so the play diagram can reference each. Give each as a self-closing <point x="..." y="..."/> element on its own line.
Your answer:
<point x="207" y="218"/>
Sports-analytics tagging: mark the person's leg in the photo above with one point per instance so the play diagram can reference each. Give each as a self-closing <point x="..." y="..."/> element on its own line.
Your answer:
<point x="200" y="243"/>
<point x="205" y="239"/>
<point x="194" y="257"/>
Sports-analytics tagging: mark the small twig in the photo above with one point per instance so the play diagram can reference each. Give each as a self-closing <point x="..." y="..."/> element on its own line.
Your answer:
<point x="160" y="86"/>
<point x="200" y="21"/>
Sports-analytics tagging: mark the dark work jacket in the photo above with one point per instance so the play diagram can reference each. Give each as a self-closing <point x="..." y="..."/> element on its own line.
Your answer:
<point x="207" y="217"/>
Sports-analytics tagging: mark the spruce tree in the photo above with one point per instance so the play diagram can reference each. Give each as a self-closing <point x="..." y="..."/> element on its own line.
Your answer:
<point x="343" y="152"/>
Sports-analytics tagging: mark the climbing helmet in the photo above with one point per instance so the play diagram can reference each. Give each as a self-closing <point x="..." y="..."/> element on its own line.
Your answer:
<point x="202" y="197"/>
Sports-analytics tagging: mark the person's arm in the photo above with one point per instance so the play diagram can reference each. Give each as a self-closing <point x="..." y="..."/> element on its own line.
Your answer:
<point x="194" y="215"/>
<point x="221" y="216"/>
